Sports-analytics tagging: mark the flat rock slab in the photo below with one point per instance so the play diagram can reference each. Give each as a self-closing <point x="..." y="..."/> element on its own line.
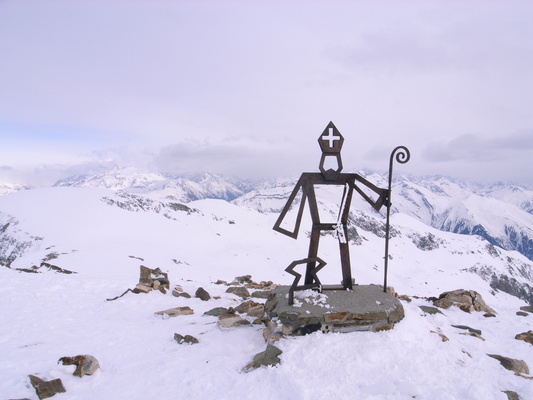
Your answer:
<point x="366" y="308"/>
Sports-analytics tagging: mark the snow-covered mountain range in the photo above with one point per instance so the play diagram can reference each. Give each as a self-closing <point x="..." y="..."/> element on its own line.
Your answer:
<point x="65" y="249"/>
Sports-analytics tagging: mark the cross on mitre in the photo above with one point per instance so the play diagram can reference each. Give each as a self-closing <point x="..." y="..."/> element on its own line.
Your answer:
<point x="331" y="139"/>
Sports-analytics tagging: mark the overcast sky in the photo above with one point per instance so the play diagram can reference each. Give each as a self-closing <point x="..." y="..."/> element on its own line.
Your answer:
<point x="245" y="88"/>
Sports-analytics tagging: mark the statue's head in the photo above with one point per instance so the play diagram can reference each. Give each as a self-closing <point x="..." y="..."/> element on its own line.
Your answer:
<point x="330" y="143"/>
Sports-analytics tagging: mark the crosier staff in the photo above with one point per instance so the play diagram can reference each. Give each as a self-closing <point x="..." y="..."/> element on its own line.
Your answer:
<point x="402" y="155"/>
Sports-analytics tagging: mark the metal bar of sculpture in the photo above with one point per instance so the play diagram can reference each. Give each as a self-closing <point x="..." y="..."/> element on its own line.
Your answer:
<point x="402" y="156"/>
<point x="330" y="142"/>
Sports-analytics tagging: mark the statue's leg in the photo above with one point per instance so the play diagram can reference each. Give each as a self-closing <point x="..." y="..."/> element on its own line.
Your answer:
<point x="313" y="252"/>
<point x="345" y="261"/>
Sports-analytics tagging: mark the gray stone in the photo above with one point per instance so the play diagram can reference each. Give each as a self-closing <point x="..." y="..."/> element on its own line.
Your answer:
<point x="202" y="294"/>
<point x="185" y="339"/>
<point x="529" y="309"/>
<point x="244" y="307"/>
<point x="217" y="311"/>
<point x="153" y="279"/>
<point x="366" y="308"/>
<point x="466" y="300"/>
<point x="232" y="320"/>
<point x="522" y="313"/>
<point x="430" y="310"/>
<point x="244" y="279"/>
<point x="518" y="366"/>
<point x="256" y="312"/>
<point x="511" y="395"/>
<point x="261" y="294"/>
<point x="525" y="336"/>
<point x="46" y="389"/>
<point x="85" y="364"/>
<point x="174" y="312"/>
<point x="269" y="357"/>
<point x="467" y="328"/>
<point x="177" y="293"/>
<point x="239" y="291"/>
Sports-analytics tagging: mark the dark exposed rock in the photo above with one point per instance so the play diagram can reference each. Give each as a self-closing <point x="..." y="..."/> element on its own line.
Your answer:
<point x="217" y="311"/>
<point x="268" y="357"/>
<point x="261" y="294"/>
<point x="511" y="395"/>
<point x="528" y="309"/>
<point x="152" y="279"/>
<point x="46" y="389"/>
<point x="244" y="307"/>
<point x="239" y="291"/>
<point x="256" y="312"/>
<point x="467" y="328"/>
<point x="175" y="293"/>
<point x="185" y="339"/>
<point x="518" y="366"/>
<point x="466" y="300"/>
<point x="202" y="294"/>
<point x="525" y="336"/>
<point x="85" y="364"/>
<point x="430" y="310"/>
<point x="522" y="313"/>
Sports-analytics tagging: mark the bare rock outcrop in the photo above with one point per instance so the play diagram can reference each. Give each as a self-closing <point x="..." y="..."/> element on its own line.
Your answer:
<point x="46" y="389"/>
<point x="466" y="300"/>
<point x="85" y="364"/>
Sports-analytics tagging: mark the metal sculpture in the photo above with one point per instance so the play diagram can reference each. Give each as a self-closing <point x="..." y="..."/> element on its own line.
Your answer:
<point x="331" y="142"/>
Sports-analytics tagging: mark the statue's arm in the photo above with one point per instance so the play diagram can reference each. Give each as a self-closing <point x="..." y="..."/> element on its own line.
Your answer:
<point x="277" y="226"/>
<point x="383" y="199"/>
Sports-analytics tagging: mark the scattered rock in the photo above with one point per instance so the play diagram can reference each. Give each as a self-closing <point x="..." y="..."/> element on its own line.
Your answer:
<point x="466" y="300"/>
<point x="489" y="315"/>
<point x="239" y="291"/>
<point x="243" y="279"/>
<point x="261" y="294"/>
<point x="404" y="297"/>
<point x="511" y="395"/>
<point x="185" y="339"/>
<point x="430" y="310"/>
<point x="467" y="328"/>
<point x="221" y="282"/>
<point x="443" y="337"/>
<point x="473" y="334"/>
<point x="265" y="358"/>
<point x="152" y="279"/>
<point x="244" y="307"/>
<point x="174" y="312"/>
<point x="217" y="311"/>
<point x="231" y="320"/>
<point x="85" y="364"/>
<point x="181" y="294"/>
<point x="270" y="337"/>
<point x="202" y="294"/>
<point x="522" y="313"/>
<point x="256" y="312"/>
<point x="528" y="309"/>
<point x="518" y="366"/>
<point x="46" y="389"/>
<point x="525" y="336"/>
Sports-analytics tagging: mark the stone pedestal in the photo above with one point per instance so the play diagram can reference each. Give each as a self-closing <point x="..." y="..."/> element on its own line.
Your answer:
<point x="365" y="308"/>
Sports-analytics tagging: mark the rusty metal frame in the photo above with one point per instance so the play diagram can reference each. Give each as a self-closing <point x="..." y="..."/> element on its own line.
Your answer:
<point x="306" y="184"/>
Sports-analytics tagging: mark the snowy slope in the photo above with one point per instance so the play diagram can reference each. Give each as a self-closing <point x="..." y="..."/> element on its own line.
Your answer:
<point x="103" y="236"/>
